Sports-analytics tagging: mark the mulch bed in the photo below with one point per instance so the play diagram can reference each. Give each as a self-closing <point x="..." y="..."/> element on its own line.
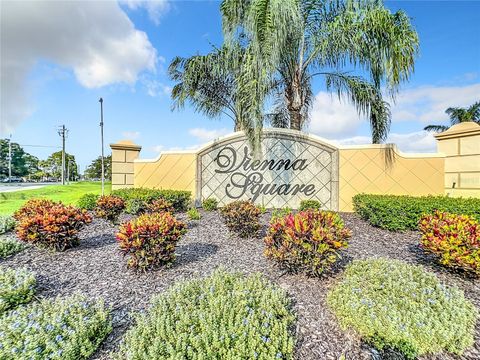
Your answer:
<point x="97" y="269"/>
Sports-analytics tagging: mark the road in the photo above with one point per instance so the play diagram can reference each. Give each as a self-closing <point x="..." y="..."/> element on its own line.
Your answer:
<point x="5" y="187"/>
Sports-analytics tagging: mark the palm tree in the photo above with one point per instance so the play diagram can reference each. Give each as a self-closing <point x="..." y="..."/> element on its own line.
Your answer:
<point x="458" y="115"/>
<point x="289" y="42"/>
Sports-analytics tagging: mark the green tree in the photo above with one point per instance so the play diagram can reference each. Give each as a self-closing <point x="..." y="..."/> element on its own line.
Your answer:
<point x="94" y="170"/>
<point x="287" y="43"/>
<point x="53" y="166"/>
<point x="457" y="116"/>
<point x="23" y="163"/>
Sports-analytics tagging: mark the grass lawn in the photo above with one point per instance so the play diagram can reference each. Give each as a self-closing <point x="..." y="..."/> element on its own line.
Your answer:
<point x="68" y="194"/>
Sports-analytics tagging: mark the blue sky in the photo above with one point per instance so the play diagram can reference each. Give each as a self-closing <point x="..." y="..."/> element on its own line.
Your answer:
<point x="58" y="58"/>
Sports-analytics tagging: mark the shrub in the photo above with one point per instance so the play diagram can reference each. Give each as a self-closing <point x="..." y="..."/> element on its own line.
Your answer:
<point x="308" y="241"/>
<point x="7" y="223"/>
<point x="88" y="201"/>
<point x="54" y="226"/>
<point x="242" y="218"/>
<point x="17" y="286"/>
<point x="454" y="238"/>
<point x="109" y="207"/>
<point x="9" y="247"/>
<point x="404" y="212"/>
<point x="193" y="214"/>
<point x="160" y="205"/>
<point x="210" y="204"/>
<point x="149" y="241"/>
<point x="58" y="329"/>
<point x="135" y="206"/>
<point x="179" y="199"/>
<point x="224" y="316"/>
<point x="310" y="205"/>
<point x="33" y="207"/>
<point x="396" y="305"/>
<point x="281" y="212"/>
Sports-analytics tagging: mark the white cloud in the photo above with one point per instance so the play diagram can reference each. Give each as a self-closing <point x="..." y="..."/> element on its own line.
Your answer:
<point x="160" y="148"/>
<point x="155" y="88"/>
<point x="155" y="8"/>
<point x="419" y="141"/>
<point x="205" y="135"/>
<point x="331" y="117"/>
<point x="427" y="104"/>
<point x="131" y="135"/>
<point x="157" y="148"/>
<point x="95" y="39"/>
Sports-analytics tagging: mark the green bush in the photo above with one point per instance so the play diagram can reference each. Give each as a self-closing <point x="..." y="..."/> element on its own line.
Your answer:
<point x="135" y="206"/>
<point x="17" y="286"/>
<point x="310" y="205"/>
<point x="59" y="329"/>
<point x="9" y="247"/>
<point x="7" y="223"/>
<point x="242" y="218"/>
<point x="309" y="241"/>
<point x="225" y="316"/>
<point x="88" y="201"/>
<point x="193" y="214"/>
<point x="396" y="305"/>
<point x="403" y="212"/>
<point x="454" y="238"/>
<point x="179" y="199"/>
<point x="210" y="204"/>
<point x="280" y="213"/>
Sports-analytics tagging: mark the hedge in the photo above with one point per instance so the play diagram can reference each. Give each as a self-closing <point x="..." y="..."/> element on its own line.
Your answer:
<point x="396" y="213"/>
<point x="179" y="199"/>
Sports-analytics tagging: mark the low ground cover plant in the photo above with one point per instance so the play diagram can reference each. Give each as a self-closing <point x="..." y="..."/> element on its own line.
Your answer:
<point x="60" y="329"/>
<point x="310" y="205"/>
<point x="138" y="198"/>
<point x="9" y="246"/>
<point x="193" y="214"/>
<point x="308" y="241"/>
<point x="393" y="304"/>
<point x="50" y="225"/>
<point x="109" y="207"/>
<point x="210" y="204"/>
<point x="17" y="286"/>
<point x="224" y="316"/>
<point x="454" y="238"/>
<point x="88" y="201"/>
<point x="149" y="241"/>
<point x="242" y="218"/>
<point x="160" y="205"/>
<point x="396" y="213"/>
<point x="7" y="223"/>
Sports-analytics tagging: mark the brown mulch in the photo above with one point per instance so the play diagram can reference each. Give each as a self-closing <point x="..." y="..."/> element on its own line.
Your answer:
<point x="97" y="269"/>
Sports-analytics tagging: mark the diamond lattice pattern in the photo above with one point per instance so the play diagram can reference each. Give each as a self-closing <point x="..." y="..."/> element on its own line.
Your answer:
<point x="319" y="160"/>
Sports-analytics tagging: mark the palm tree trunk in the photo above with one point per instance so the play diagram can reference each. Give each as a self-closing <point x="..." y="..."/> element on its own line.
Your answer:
<point x="293" y="94"/>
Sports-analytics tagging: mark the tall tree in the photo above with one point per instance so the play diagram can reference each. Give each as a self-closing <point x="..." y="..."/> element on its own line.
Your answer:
<point x="23" y="163"/>
<point x="94" y="170"/>
<point x="53" y="166"/>
<point x="290" y="42"/>
<point x="458" y="115"/>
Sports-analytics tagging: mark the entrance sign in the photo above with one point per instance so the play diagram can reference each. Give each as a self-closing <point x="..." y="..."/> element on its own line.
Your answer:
<point x="289" y="167"/>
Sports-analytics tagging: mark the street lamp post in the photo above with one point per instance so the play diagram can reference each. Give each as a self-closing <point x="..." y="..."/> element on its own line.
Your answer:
<point x="101" y="131"/>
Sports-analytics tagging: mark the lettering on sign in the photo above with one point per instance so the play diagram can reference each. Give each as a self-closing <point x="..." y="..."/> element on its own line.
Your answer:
<point x="286" y="170"/>
<point x="246" y="176"/>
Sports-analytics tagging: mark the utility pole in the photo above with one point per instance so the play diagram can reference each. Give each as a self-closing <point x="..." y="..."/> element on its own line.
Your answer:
<point x="101" y="132"/>
<point x="10" y="159"/>
<point x="63" y="133"/>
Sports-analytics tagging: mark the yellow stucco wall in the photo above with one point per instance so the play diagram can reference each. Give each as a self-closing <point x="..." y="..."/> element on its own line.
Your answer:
<point x="171" y="170"/>
<point x="461" y="146"/>
<point x="363" y="169"/>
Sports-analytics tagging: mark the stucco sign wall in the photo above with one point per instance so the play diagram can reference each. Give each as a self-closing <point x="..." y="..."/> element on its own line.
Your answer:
<point x="289" y="168"/>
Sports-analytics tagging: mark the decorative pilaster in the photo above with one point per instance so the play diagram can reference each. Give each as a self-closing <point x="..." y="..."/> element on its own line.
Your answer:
<point x="123" y="155"/>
